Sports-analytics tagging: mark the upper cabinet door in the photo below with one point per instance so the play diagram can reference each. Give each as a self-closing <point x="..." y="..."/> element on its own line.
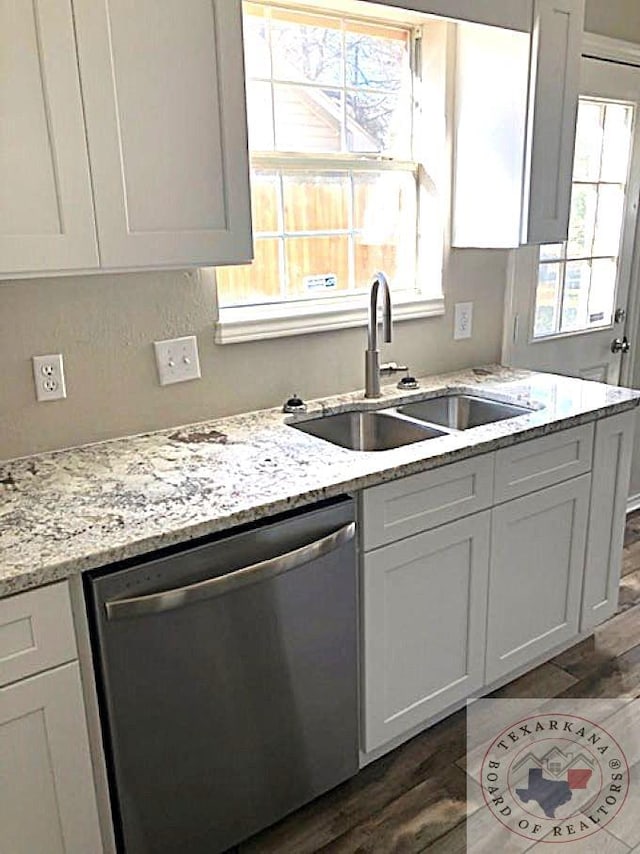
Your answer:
<point x="46" y="212"/>
<point x="553" y="105"/>
<point x="163" y="87"/>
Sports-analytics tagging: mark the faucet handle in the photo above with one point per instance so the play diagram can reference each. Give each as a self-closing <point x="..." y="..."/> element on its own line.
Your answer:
<point x="392" y="368"/>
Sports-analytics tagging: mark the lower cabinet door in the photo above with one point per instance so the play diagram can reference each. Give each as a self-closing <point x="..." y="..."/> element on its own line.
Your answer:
<point x="535" y="579"/>
<point x="424" y="620"/>
<point x="47" y="798"/>
<point x="612" y="454"/>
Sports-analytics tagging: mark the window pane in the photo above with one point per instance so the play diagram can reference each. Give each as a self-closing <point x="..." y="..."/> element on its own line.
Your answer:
<point x="317" y="266"/>
<point x="551" y="251"/>
<point x="265" y="190"/>
<point x="308" y="119"/>
<point x="547" y="300"/>
<point x="586" y="164"/>
<point x="376" y="57"/>
<point x="576" y="296"/>
<point x="256" y="41"/>
<point x="387" y="241"/>
<point x="582" y="220"/>
<point x="603" y="289"/>
<point x="378" y="122"/>
<point x="317" y="202"/>
<point x="306" y="47"/>
<point x="609" y="220"/>
<point x="259" y="116"/>
<point x="252" y="283"/>
<point x="617" y="141"/>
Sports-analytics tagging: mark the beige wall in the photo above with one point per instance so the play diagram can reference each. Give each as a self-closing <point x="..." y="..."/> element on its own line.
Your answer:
<point x="105" y="325"/>
<point x="619" y="19"/>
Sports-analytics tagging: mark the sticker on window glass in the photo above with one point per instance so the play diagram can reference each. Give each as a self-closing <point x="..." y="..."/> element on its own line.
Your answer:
<point x="320" y="283"/>
<point x="595" y="318"/>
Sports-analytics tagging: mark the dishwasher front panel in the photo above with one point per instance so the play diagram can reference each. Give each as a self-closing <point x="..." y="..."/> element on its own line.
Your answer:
<point x="223" y="712"/>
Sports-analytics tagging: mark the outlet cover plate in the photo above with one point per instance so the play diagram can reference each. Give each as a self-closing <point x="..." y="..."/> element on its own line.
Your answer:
<point x="177" y="360"/>
<point x="463" y="320"/>
<point x="48" y="377"/>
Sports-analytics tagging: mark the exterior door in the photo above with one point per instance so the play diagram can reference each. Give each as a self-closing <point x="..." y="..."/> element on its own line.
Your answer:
<point x="568" y="302"/>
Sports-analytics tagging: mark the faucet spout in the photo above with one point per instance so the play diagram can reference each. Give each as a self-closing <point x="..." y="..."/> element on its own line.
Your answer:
<point x="372" y="355"/>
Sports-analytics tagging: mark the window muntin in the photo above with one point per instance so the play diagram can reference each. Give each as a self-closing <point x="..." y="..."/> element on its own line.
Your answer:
<point x="577" y="279"/>
<point x="334" y="195"/>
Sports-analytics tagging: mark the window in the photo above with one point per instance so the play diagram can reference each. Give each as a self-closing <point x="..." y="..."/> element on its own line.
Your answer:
<point x="331" y="103"/>
<point x="577" y="279"/>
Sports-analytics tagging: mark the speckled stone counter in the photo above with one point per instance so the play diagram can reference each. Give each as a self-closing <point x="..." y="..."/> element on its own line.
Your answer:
<point x="68" y="511"/>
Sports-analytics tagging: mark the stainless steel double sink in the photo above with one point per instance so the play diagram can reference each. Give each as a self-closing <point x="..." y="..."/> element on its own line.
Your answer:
<point x="389" y="428"/>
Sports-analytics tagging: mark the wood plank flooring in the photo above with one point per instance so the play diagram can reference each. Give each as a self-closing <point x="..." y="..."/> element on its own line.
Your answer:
<point x="414" y="799"/>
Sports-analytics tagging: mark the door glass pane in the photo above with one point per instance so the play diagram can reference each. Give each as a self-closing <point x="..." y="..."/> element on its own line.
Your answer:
<point x="575" y="300"/>
<point x="260" y="116"/>
<point x="584" y="200"/>
<point x="547" y="299"/>
<point x="589" y="130"/>
<point x="609" y="219"/>
<point x="617" y="141"/>
<point x="603" y="288"/>
<point x="551" y="251"/>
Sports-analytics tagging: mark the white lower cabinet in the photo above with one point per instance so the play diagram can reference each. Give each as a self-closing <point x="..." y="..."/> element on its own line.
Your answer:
<point x="47" y="801"/>
<point x="612" y="453"/>
<point x="448" y="610"/>
<point x="424" y="621"/>
<point x="535" y="580"/>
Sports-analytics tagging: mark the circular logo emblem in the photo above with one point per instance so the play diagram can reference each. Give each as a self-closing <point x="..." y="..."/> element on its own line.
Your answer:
<point x="555" y="778"/>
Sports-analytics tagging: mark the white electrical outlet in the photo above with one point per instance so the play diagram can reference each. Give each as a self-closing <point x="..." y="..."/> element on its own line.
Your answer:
<point x="463" y="320"/>
<point x="177" y="360"/>
<point x="48" y="376"/>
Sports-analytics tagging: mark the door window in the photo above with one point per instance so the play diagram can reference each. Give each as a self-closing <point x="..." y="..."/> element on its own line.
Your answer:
<point x="576" y="287"/>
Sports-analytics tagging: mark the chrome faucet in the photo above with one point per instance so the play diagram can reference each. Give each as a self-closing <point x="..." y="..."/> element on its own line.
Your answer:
<point x="372" y="354"/>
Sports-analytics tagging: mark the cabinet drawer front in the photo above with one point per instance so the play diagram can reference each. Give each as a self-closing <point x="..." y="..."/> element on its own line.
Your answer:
<point x="538" y="463"/>
<point x="424" y="622"/>
<point x="36" y="632"/>
<point x="535" y="577"/>
<point x="393" y="511"/>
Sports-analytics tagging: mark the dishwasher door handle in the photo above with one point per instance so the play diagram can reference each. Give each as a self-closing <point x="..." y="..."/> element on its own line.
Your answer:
<point x="169" y="600"/>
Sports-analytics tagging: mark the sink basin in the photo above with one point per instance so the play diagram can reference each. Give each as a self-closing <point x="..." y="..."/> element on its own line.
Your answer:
<point x="367" y="431"/>
<point x="462" y="411"/>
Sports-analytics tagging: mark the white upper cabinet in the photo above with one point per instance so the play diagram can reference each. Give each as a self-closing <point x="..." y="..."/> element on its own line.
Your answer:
<point x="516" y="103"/>
<point x="163" y="91"/>
<point x="156" y="90"/>
<point x="46" y="212"/>
<point x="551" y="132"/>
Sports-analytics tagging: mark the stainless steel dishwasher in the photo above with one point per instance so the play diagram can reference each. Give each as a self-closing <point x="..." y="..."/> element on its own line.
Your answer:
<point x="227" y="680"/>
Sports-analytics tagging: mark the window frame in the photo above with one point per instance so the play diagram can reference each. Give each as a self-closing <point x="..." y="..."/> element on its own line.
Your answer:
<point x="425" y="298"/>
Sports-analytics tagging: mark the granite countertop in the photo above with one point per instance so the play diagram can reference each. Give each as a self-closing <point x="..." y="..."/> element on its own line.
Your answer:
<point x="68" y="511"/>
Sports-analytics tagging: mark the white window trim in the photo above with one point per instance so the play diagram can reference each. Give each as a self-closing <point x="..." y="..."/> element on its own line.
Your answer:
<point x="236" y="324"/>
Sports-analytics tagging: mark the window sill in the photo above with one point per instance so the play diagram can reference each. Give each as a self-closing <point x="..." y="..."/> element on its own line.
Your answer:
<point x="256" y="323"/>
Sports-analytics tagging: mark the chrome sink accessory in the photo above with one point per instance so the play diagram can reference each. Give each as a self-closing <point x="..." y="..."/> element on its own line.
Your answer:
<point x="372" y="354"/>
<point x="294" y="404"/>
<point x="407" y="382"/>
<point x="462" y="411"/>
<point x="368" y="431"/>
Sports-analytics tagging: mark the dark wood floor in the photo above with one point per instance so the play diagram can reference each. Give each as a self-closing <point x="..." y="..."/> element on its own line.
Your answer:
<point x="414" y="799"/>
